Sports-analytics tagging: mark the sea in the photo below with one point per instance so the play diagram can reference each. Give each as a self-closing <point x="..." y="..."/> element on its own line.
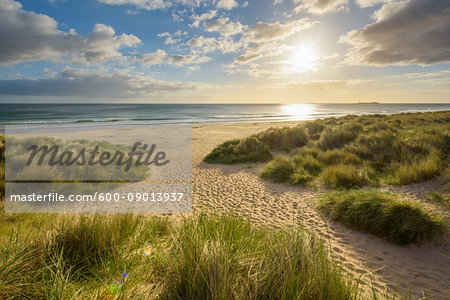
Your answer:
<point x="30" y="117"/>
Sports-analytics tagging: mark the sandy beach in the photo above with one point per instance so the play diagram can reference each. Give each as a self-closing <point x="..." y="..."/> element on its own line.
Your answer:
<point x="239" y="190"/>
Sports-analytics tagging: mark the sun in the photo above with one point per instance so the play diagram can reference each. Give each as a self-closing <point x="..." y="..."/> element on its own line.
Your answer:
<point x="304" y="58"/>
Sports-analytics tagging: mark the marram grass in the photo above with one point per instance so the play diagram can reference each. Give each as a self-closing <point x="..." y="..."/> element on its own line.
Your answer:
<point x="200" y="257"/>
<point x="349" y="152"/>
<point x="387" y="215"/>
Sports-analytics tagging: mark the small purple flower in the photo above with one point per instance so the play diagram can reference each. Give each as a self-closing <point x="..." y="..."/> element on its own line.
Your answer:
<point x="125" y="275"/>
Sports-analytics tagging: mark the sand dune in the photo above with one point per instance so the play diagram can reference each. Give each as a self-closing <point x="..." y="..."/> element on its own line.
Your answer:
<point x="238" y="189"/>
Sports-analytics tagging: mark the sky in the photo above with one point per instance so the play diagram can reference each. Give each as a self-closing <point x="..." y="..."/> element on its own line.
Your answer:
<point x="225" y="51"/>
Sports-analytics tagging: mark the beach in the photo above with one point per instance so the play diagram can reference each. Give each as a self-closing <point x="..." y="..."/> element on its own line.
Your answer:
<point x="238" y="190"/>
<point x="225" y="149"/>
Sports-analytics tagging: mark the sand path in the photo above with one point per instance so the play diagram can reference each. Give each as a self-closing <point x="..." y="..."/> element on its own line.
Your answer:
<point x="238" y="189"/>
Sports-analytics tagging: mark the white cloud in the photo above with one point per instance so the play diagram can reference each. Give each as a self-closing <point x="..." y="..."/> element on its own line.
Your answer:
<point x="409" y="32"/>
<point x="27" y="36"/>
<point x="163" y="4"/>
<point x="198" y="19"/>
<point x="260" y="50"/>
<point x="210" y="44"/>
<point x="325" y="83"/>
<point x="160" y="57"/>
<point x="369" y="3"/>
<point x="319" y="7"/>
<point x="227" y="4"/>
<point x="91" y="83"/>
<point x="265" y="46"/>
<point x="263" y="32"/>
<point x="177" y="18"/>
<point x="426" y="74"/>
<point x="142" y="4"/>
<point x="172" y="38"/>
<point x="224" y="26"/>
<point x="261" y="39"/>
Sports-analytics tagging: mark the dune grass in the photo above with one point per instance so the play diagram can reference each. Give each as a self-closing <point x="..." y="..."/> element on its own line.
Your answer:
<point x="384" y="214"/>
<point x="344" y="176"/>
<point x="2" y="166"/>
<point x="350" y="152"/>
<point x="201" y="257"/>
<point x="258" y="147"/>
<point x="237" y="151"/>
<point x="279" y="170"/>
<point x="439" y="199"/>
<point x="340" y="136"/>
<point x="80" y="257"/>
<point x="226" y="258"/>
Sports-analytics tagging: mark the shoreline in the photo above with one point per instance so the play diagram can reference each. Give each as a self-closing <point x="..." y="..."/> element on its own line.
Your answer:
<point x="281" y="113"/>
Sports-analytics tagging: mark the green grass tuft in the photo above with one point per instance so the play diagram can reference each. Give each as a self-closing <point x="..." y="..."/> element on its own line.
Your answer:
<point x="279" y="170"/>
<point x="338" y="137"/>
<point x="384" y="214"/>
<point x="236" y="151"/>
<point x="301" y="176"/>
<point x="258" y="147"/>
<point x="440" y="199"/>
<point x="2" y="167"/>
<point x="424" y="169"/>
<point x="344" y="176"/>
<point x="224" y="257"/>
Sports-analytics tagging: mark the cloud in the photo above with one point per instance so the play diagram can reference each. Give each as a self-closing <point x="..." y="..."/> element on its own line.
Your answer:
<point x="263" y="32"/>
<point x="91" y="83"/>
<point x="163" y="4"/>
<point x="368" y="3"/>
<point x="435" y="81"/>
<point x="198" y="19"/>
<point x="177" y="18"/>
<point x="272" y="69"/>
<point x="426" y="74"/>
<point x="224" y="26"/>
<point x="245" y="58"/>
<point x="268" y="39"/>
<point x="142" y="4"/>
<point x="325" y="83"/>
<point x="409" y="32"/>
<point x="227" y="4"/>
<point x="210" y="44"/>
<point x="172" y="38"/>
<point x="160" y="57"/>
<point x="319" y="7"/>
<point x="260" y="50"/>
<point x="27" y="36"/>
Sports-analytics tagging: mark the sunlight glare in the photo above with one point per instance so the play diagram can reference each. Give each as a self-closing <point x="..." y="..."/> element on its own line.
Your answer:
<point x="304" y="58"/>
<point x="298" y="111"/>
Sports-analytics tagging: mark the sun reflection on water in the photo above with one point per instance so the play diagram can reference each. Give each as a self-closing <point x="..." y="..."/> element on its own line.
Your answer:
<point x="298" y="111"/>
